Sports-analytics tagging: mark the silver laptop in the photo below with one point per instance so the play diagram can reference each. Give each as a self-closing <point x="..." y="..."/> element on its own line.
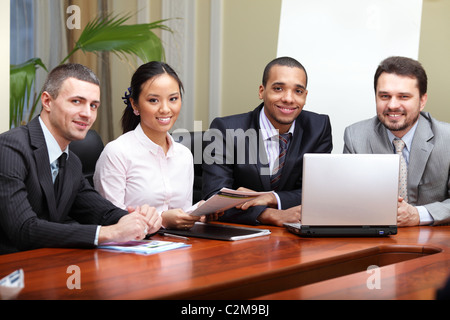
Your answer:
<point x="349" y="195"/>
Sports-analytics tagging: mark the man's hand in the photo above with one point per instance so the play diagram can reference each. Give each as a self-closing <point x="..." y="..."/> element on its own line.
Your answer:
<point x="407" y="215"/>
<point x="267" y="199"/>
<point x="152" y="218"/>
<point x="212" y="216"/>
<point x="279" y="217"/>
<point x="133" y="226"/>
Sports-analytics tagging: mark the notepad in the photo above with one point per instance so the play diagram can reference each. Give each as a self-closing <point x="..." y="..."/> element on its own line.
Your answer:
<point x="143" y="246"/>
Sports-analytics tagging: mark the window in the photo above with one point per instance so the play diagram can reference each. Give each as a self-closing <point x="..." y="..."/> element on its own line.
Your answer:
<point x="22" y="31"/>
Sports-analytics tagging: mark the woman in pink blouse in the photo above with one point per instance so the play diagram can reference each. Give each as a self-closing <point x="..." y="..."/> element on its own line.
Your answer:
<point x="145" y="164"/>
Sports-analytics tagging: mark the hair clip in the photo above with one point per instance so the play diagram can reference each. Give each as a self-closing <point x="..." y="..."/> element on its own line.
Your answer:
<point x="126" y="98"/>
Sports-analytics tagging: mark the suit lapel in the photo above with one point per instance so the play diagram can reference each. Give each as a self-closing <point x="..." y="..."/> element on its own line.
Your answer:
<point x="420" y="152"/>
<point x="379" y="143"/>
<point x="37" y="141"/>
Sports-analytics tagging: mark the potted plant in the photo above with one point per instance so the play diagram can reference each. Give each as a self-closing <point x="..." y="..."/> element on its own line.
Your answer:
<point x="101" y="34"/>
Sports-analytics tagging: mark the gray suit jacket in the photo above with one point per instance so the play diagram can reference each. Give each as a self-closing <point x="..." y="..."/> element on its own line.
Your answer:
<point x="29" y="215"/>
<point x="429" y="162"/>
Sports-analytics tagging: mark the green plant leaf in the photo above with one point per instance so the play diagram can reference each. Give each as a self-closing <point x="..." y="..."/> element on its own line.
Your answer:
<point x="108" y="33"/>
<point x="111" y="34"/>
<point x="22" y="77"/>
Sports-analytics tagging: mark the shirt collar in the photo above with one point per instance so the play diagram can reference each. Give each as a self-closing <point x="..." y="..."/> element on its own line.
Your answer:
<point x="407" y="138"/>
<point x="267" y="129"/>
<point x="150" y="145"/>
<point x="53" y="148"/>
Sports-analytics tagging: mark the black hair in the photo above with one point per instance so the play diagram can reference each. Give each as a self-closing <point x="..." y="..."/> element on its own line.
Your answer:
<point x="144" y="73"/>
<point x="282" y="61"/>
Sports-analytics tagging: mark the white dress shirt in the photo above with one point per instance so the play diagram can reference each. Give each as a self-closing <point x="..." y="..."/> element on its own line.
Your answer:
<point x="132" y="171"/>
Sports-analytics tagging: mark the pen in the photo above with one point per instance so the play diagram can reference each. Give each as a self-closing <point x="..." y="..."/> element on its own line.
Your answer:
<point x="175" y="236"/>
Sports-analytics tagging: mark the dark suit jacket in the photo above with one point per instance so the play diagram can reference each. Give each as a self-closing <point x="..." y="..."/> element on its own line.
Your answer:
<point x="29" y="216"/>
<point x="241" y="162"/>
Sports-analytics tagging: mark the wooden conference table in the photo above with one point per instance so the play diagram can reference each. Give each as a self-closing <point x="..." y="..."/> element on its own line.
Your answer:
<point x="413" y="265"/>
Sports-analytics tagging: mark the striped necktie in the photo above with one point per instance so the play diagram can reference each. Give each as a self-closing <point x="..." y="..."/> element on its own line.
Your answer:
<point x="276" y="173"/>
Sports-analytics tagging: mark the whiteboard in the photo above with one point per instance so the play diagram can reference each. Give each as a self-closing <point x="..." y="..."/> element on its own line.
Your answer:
<point x="340" y="44"/>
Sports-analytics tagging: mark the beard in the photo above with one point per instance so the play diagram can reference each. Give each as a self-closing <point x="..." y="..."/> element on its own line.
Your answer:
<point x="399" y="125"/>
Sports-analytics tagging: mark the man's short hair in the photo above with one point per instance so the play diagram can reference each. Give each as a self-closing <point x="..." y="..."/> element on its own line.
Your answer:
<point x="403" y="66"/>
<point x="282" y="61"/>
<point x="58" y="75"/>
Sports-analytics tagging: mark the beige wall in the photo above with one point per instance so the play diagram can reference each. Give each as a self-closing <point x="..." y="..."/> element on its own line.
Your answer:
<point x="4" y="66"/>
<point x="434" y="54"/>
<point x="250" y="42"/>
<point x="121" y="70"/>
<point x="250" y="35"/>
<point x="202" y="62"/>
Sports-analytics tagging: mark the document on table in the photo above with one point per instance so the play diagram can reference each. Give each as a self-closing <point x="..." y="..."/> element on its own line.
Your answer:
<point x="146" y="247"/>
<point x="11" y="285"/>
<point x="223" y="200"/>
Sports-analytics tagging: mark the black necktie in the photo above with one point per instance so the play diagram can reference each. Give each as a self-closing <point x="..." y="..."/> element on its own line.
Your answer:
<point x="276" y="174"/>
<point x="60" y="177"/>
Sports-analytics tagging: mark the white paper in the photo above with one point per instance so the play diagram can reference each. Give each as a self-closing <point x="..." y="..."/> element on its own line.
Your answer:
<point x="143" y="246"/>
<point x="12" y="284"/>
<point x="223" y="200"/>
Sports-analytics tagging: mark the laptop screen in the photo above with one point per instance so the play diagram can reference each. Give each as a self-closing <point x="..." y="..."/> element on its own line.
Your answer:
<point x="350" y="189"/>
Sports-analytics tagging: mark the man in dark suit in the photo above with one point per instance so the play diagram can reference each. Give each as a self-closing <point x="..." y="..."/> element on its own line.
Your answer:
<point x="245" y="151"/>
<point x="400" y="85"/>
<point x="33" y="212"/>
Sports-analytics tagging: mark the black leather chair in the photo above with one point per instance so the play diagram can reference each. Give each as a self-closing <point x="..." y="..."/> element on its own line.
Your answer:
<point x="193" y="140"/>
<point x="88" y="150"/>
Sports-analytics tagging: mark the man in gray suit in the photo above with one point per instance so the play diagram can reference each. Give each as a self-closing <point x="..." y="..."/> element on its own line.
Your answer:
<point x="34" y="213"/>
<point x="401" y="94"/>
